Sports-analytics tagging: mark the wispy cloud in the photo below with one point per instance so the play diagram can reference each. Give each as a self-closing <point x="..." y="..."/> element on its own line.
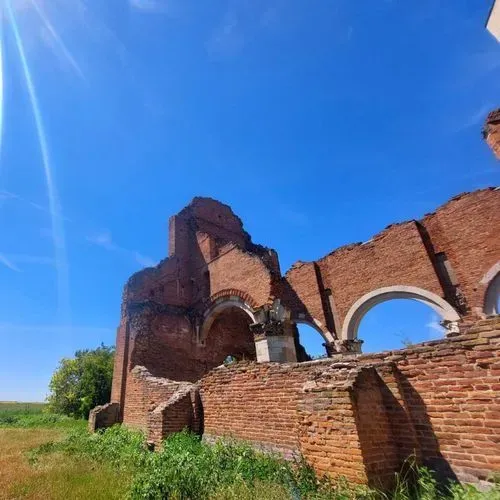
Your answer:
<point x="154" y="6"/>
<point x="228" y="38"/>
<point x="241" y="22"/>
<point x="12" y="260"/>
<point x="293" y="216"/>
<point x="8" y="263"/>
<point x="104" y="240"/>
<point x="434" y="327"/>
<point x="475" y="118"/>
<point x="8" y="195"/>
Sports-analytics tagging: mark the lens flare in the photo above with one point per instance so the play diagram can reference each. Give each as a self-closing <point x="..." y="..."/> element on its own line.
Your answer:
<point x="60" y="43"/>
<point x="1" y="87"/>
<point x="55" y="212"/>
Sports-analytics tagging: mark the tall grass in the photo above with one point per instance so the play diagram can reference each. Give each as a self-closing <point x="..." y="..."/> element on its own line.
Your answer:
<point x="31" y="415"/>
<point x="188" y="468"/>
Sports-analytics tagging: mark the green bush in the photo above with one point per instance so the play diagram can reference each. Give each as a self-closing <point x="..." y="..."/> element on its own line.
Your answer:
<point x="83" y="382"/>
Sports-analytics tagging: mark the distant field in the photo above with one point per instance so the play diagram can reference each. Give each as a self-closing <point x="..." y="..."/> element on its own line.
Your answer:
<point x="18" y="407"/>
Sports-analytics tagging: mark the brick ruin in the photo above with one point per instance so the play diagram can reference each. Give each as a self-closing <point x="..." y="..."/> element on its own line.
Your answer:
<point x="218" y="294"/>
<point x="491" y="131"/>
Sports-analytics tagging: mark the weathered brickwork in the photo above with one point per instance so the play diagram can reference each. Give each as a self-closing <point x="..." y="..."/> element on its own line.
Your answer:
<point x="491" y="132"/>
<point x="362" y="416"/>
<point x="218" y="294"/>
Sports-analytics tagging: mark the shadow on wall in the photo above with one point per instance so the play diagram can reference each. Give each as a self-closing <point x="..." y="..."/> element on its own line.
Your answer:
<point x="393" y="424"/>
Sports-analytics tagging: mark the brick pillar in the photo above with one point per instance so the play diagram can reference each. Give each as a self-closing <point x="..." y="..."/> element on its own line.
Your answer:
<point x="275" y="342"/>
<point x="491" y="132"/>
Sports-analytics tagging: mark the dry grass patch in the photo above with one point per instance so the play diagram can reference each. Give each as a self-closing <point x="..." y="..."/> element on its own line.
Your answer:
<point x="57" y="476"/>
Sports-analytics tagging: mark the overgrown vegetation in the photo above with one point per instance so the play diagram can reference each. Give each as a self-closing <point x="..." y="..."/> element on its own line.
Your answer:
<point x="187" y="468"/>
<point x="53" y="456"/>
<point x="83" y="382"/>
<point x="33" y="415"/>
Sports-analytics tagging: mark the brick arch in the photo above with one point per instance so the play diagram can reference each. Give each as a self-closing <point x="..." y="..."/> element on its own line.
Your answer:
<point x="492" y="282"/>
<point x="316" y="325"/>
<point x="371" y="299"/>
<point x="222" y="301"/>
<point x="233" y="292"/>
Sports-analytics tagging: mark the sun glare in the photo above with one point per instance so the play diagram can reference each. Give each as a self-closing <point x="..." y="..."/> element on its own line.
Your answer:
<point x="8" y="18"/>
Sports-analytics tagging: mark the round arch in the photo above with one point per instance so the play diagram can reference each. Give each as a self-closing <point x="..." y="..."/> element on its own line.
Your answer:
<point x="371" y="299"/>
<point x="492" y="281"/>
<point x="327" y="336"/>
<point x="218" y="307"/>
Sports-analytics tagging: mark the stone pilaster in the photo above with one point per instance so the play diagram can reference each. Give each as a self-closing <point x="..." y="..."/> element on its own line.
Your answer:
<point x="346" y="346"/>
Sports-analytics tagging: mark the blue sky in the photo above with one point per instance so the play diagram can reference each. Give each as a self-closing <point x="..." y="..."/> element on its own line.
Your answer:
<point x="319" y="122"/>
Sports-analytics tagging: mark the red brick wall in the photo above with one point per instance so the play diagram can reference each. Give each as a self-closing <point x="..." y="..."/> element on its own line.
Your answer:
<point x="303" y="296"/>
<point x="491" y="132"/>
<point x="466" y="229"/>
<point x="144" y="394"/>
<point x="362" y="417"/>
<point x="241" y="270"/>
<point x="396" y="256"/>
<point x="165" y="344"/>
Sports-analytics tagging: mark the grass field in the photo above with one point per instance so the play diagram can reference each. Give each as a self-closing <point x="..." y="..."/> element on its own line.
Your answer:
<point x="24" y="427"/>
<point x="17" y="407"/>
<point x="44" y="456"/>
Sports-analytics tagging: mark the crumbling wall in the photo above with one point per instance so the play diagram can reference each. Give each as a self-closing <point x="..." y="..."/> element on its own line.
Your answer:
<point x="145" y="393"/>
<point x="491" y="132"/>
<point x="465" y="231"/>
<point x="363" y="416"/>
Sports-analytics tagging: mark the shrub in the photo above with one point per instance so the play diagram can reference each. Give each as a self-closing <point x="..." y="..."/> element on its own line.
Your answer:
<point x="83" y="382"/>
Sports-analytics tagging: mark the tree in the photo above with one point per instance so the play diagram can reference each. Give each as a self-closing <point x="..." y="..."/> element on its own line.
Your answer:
<point x="83" y="382"/>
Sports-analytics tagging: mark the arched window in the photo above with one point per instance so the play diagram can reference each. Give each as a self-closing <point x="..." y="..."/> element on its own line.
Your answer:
<point x="311" y="340"/>
<point x="362" y="306"/>
<point x="398" y="323"/>
<point x="492" y="296"/>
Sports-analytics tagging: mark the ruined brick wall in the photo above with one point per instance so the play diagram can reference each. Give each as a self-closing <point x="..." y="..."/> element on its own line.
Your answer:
<point x="166" y="345"/>
<point x="447" y="253"/>
<point x="396" y="256"/>
<point x="363" y="416"/>
<point x="491" y="132"/>
<point x="145" y="393"/>
<point x="212" y="259"/>
<point x="466" y="231"/>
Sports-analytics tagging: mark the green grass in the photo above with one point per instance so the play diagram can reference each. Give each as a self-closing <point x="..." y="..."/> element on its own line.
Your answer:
<point x="59" y="459"/>
<point x="15" y="406"/>
<point x="26" y="415"/>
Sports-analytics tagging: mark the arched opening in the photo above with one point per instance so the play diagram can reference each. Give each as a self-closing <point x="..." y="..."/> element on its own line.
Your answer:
<point x="311" y="341"/>
<point x="361" y="307"/>
<point x="226" y="333"/>
<point x="398" y="323"/>
<point x="492" y="296"/>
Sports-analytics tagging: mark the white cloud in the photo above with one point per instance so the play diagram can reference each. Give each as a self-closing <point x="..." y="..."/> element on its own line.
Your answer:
<point x="228" y="38"/>
<point x="144" y="260"/>
<point x="8" y="263"/>
<point x="435" y="329"/>
<point x="154" y="6"/>
<point x="475" y="118"/>
<point x="104" y="239"/>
